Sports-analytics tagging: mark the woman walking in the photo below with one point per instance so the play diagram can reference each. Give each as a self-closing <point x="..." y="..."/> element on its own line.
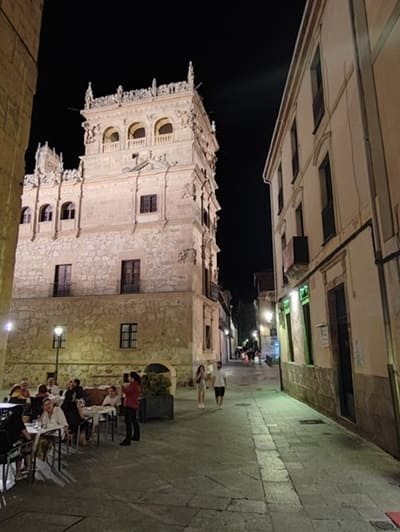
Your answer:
<point x="201" y="381"/>
<point x="131" y="393"/>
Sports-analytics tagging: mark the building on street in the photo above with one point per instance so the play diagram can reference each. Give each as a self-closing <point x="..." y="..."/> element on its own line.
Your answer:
<point x="121" y="252"/>
<point x="333" y="171"/>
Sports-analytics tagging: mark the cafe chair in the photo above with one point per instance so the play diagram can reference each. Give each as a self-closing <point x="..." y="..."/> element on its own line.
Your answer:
<point x="9" y="457"/>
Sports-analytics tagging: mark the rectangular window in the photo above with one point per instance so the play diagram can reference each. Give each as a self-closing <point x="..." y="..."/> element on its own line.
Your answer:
<point x="128" y="336"/>
<point x="328" y="214"/>
<point x="130" y="277"/>
<point x="148" y="203"/>
<point x="280" y="189"/>
<point x="208" y="339"/>
<point x="295" y="150"/>
<point x="307" y="333"/>
<point x="206" y="280"/>
<point x="206" y="218"/>
<point x="62" y="280"/>
<point x="289" y="337"/>
<point x="317" y="89"/>
<point x="299" y="221"/>
<point x="283" y="247"/>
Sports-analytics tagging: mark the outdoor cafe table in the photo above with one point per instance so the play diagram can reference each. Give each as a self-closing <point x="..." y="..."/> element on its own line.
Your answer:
<point x="5" y="409"/>
<point x="36" y="432"/>
<point x="95" y="412"/>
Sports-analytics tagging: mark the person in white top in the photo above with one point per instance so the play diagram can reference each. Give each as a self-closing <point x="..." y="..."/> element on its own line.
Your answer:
<point x="219" y="384"/>
<point x="52" y="415"/>
<point x="112" y="398"/>
<point x="52" y="387"/>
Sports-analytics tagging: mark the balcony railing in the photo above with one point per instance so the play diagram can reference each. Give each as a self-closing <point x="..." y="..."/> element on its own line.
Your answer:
<point x="133" y="143"/>
<point x="61" y="290"/>
<point x="163" y="139"/>
<point x="295" y="255"/>
<point x="26" y="289"/>
<point x="111" y="146"/>
<point x="130" y="288"/>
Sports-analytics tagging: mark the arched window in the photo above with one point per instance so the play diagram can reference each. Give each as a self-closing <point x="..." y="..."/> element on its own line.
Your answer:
<point x="26" y="215"/>
<point x="136" y="134"/>
<point x="136" y="131"/>
<point x="163" y="131"/>
<point x="46" y="213"/>
<point x="68" y="211"/>
<point x="111" y="139"/>
<point x="110" y="135"/>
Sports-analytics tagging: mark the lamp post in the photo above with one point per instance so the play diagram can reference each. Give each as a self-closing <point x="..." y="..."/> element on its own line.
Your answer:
<point x="58" y="330"/>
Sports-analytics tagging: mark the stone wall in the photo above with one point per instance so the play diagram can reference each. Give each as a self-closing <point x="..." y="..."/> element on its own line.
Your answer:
<point x="92" y="351"/>
<point x="374" y="407"/>
<point x="20" y="23"/>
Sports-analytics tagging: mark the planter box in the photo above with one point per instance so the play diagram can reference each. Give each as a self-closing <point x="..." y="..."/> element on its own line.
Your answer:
<point x="156" y="406"/>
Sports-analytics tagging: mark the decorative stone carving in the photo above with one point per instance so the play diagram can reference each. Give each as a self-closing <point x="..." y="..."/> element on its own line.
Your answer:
<point x="187" y="118"/>
<point x="188" y="256"/>
<point x="121" y="97"/>
<point x="190" y="76"/>
<point x="189" y="191"/>
<point x="89" y="96"/>
<point x="90" y="132"/>
<point x="31" y="179"/>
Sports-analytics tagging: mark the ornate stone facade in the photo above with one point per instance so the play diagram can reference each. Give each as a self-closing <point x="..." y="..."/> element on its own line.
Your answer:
<point x="20" y="23"/>
<point x="122" y="250"/>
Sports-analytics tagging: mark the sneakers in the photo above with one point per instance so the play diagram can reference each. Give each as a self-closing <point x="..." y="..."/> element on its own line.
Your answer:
<point x="125" y="442"/>
<point x="21" y="476"/>
<point x="201" y="405"/>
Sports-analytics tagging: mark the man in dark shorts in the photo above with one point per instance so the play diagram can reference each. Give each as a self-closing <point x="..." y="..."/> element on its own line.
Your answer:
<point x="219" y="384"/>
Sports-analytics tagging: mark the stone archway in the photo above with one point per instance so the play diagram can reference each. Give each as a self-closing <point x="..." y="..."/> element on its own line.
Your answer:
<point x="163" y="367"/>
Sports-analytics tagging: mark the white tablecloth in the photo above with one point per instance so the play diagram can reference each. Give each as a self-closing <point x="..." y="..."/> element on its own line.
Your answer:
<point x="96" y="411"/>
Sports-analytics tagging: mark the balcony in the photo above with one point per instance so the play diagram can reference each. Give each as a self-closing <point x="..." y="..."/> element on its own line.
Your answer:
<point x="61" y="289"/>
<point x="295" y="256"/>
<point x="130" y="288"/>
<point x="134" y="143"/>
<point x="165" y="138"/>
<point x="111" y="146"/>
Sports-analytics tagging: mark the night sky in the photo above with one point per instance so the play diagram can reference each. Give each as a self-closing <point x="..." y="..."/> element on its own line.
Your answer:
<point x="240" y="56"/>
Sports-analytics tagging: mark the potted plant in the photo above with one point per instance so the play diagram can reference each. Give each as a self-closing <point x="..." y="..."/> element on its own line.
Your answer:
<point x="156" y="400"/>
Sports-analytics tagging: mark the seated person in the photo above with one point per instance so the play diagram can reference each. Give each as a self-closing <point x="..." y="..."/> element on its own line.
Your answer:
<point x="52" y="415"/>
<point x="52" y="387"/>
<point x="15" y="392"/>
<point x="24" y="388"/>
<point x="112" y="398"/>
<point x="42" y="391"/>
<point x="15" y="429"/>
<point x="75" y="418"/>
<point x="75" y="390"/>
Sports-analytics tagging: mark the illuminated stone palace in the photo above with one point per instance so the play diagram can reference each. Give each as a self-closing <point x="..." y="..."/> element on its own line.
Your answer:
<point x="121" y="251"/>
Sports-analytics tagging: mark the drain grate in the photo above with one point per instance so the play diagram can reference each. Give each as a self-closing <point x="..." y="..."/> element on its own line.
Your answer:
<point x="311" y="421"/>
<point x="242" y="404"/>
<point x="382" y="525"/>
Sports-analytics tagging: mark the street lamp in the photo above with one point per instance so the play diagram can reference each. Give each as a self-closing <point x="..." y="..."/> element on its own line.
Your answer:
<point x="58" y="330"/>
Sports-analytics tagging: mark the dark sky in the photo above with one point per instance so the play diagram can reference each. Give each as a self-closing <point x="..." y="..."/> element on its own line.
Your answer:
<point x="240" y="56"/>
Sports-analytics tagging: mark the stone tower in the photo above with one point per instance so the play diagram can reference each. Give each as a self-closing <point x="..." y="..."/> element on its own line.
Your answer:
<point x="122" y="251"/>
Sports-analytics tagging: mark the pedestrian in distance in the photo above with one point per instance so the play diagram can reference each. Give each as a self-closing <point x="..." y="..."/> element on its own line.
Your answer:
<point x="201" y="383"/>
<point x="131" y="391"/>
<point x="219" y="384"/>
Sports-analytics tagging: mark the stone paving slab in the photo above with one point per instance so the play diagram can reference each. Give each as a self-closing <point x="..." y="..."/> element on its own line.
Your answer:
<point x="252" y="466"/>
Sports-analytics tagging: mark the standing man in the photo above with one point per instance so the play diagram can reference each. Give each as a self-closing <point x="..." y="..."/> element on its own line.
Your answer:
<point x="131" y="391"/>
<point x="219" y="383"/>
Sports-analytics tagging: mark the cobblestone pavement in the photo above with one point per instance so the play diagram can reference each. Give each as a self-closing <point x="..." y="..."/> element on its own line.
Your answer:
<point x="265" y="462"/>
